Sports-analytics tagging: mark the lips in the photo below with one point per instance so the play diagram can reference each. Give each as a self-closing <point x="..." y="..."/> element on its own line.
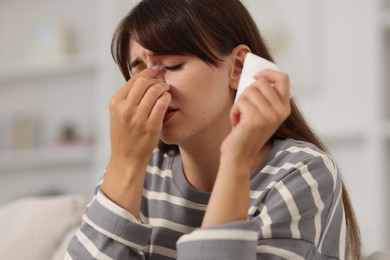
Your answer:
<point x="171" y="111"/>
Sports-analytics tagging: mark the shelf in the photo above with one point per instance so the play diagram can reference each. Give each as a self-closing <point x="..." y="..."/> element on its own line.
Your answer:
<point x="21" y="71"/>
<point x="46" y="157"/>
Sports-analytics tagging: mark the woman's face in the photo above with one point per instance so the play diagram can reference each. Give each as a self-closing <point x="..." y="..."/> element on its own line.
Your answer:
<point x="201" y="96"/>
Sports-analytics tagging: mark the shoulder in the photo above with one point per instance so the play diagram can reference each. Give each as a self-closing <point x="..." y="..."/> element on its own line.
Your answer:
<point x="299" y="151"/>
<point x="291" y="157"/>
<point x="301" y="194"/>
<point x="299" y="168"/>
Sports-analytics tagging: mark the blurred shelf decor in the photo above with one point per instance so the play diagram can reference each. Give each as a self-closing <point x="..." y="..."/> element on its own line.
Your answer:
<point x="72" y="64"/>
<point x="53" y="95"/>
<point x="43" y="158"/>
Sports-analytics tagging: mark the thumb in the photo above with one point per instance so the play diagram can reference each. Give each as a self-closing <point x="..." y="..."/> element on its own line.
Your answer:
<point x="235" y="115"/>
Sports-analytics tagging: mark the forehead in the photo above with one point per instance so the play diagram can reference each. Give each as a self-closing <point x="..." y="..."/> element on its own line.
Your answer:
<point x="138" y="51"/>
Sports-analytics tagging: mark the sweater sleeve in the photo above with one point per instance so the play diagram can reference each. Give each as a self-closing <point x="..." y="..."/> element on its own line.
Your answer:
<point x="108" y="232"/>
<point x="299" y="215"/>
<point x="235" y="240"/>
<point x="302" y="214"/>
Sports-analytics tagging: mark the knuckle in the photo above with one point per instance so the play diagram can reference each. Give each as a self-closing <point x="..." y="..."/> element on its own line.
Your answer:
<point x="124" y="115"/>
<point x="145" y="80"/>
<point x="260" y="82"/>
<point x="153" y="92"/>
<point x="113" y="103"/>
<point x="141" y="80"/>
<point x="251" y="90"/>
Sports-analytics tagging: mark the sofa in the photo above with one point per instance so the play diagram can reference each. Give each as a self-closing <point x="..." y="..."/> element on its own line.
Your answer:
<point x="39" y="228"/>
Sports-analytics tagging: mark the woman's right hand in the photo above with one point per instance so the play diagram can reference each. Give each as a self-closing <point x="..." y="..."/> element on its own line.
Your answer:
<point x="136" y="116"/>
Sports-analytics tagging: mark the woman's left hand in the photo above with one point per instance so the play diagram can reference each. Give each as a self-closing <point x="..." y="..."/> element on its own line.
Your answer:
<point x="258" y="113"/>
<point x="256" y="116"/>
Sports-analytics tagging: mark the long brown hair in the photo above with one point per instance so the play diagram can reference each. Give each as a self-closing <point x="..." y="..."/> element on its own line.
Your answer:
<point x="207" y="29"/>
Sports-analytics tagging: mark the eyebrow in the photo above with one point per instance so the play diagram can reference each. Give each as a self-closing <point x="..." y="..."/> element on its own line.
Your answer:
<point x="137" y="61"/>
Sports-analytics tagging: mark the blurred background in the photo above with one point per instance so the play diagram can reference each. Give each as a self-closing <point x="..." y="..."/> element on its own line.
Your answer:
<point x="57" y="77"/>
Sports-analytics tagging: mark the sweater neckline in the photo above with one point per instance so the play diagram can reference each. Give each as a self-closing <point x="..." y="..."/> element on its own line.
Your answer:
<point x="200" y="197"/>
<point x="183" y="185"/>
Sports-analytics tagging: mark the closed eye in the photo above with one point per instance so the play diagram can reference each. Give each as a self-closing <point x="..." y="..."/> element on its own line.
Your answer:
<point x="173" y="68"/>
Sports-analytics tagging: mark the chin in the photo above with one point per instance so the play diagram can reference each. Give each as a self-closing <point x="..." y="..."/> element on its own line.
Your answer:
<point x="176" y="135"/>
<point x="168" y="138"/>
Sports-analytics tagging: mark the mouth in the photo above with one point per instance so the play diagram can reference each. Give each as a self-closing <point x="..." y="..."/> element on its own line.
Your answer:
<point x="171" y="111"/>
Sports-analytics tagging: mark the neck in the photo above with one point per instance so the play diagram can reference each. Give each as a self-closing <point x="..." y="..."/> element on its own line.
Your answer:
<point x="201" y="153"/>
<point x="201" y="163"/>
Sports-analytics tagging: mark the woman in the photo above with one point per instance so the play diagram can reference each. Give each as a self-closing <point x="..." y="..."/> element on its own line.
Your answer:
<point x="228" y="181"/>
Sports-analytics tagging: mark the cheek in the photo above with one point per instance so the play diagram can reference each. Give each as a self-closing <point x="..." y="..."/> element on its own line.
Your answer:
<point x="185" y="86"/>
<point x="199" y="86"/>
<point x="180" y="78"/>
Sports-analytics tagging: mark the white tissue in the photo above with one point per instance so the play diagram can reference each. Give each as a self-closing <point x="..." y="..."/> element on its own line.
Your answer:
<point x="253" y="65"/>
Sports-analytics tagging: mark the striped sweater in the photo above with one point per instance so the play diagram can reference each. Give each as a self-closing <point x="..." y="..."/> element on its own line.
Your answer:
<point x="296" y="212"/>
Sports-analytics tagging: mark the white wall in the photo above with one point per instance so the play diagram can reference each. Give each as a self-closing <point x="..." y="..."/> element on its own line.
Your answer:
<point x="349" y="103"/>
<point x="344" y="104"/>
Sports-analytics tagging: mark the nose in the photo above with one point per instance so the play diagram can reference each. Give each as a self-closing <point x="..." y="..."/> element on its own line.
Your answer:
<point x="151" y="62"/>
<point x="161" y="75"/>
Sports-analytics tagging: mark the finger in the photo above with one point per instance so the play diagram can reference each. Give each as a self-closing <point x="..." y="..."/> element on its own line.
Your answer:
<point x="139" y="89"/>
<point x="268" y="91"/>
<point x="259" y="117"/>
<point x="151" y="96"/>
<point x="235" y="115"/>
<point x="280" y="80"/>
<point x="280" y="105"/>
<point x="276" y="109"/>
<point x="255" y="96"/>
<point x="159" y="109"/>
<point x="123" y="92"/>
<point x="250" y="112"/>
<point x="244" y="110"/>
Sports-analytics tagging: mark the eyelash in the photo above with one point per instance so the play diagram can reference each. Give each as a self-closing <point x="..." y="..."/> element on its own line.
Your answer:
<point x="173" y="68"/>
<point x="166" y="68"/>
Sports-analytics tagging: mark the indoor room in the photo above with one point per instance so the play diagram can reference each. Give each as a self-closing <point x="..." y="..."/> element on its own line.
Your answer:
<point x="57" y="77"/>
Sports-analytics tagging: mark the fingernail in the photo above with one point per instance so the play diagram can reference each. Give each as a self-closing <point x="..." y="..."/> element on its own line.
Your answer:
<point x="160" y="79"/>
<point x="155" y="67"/>
<point x="258" y="74"/>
